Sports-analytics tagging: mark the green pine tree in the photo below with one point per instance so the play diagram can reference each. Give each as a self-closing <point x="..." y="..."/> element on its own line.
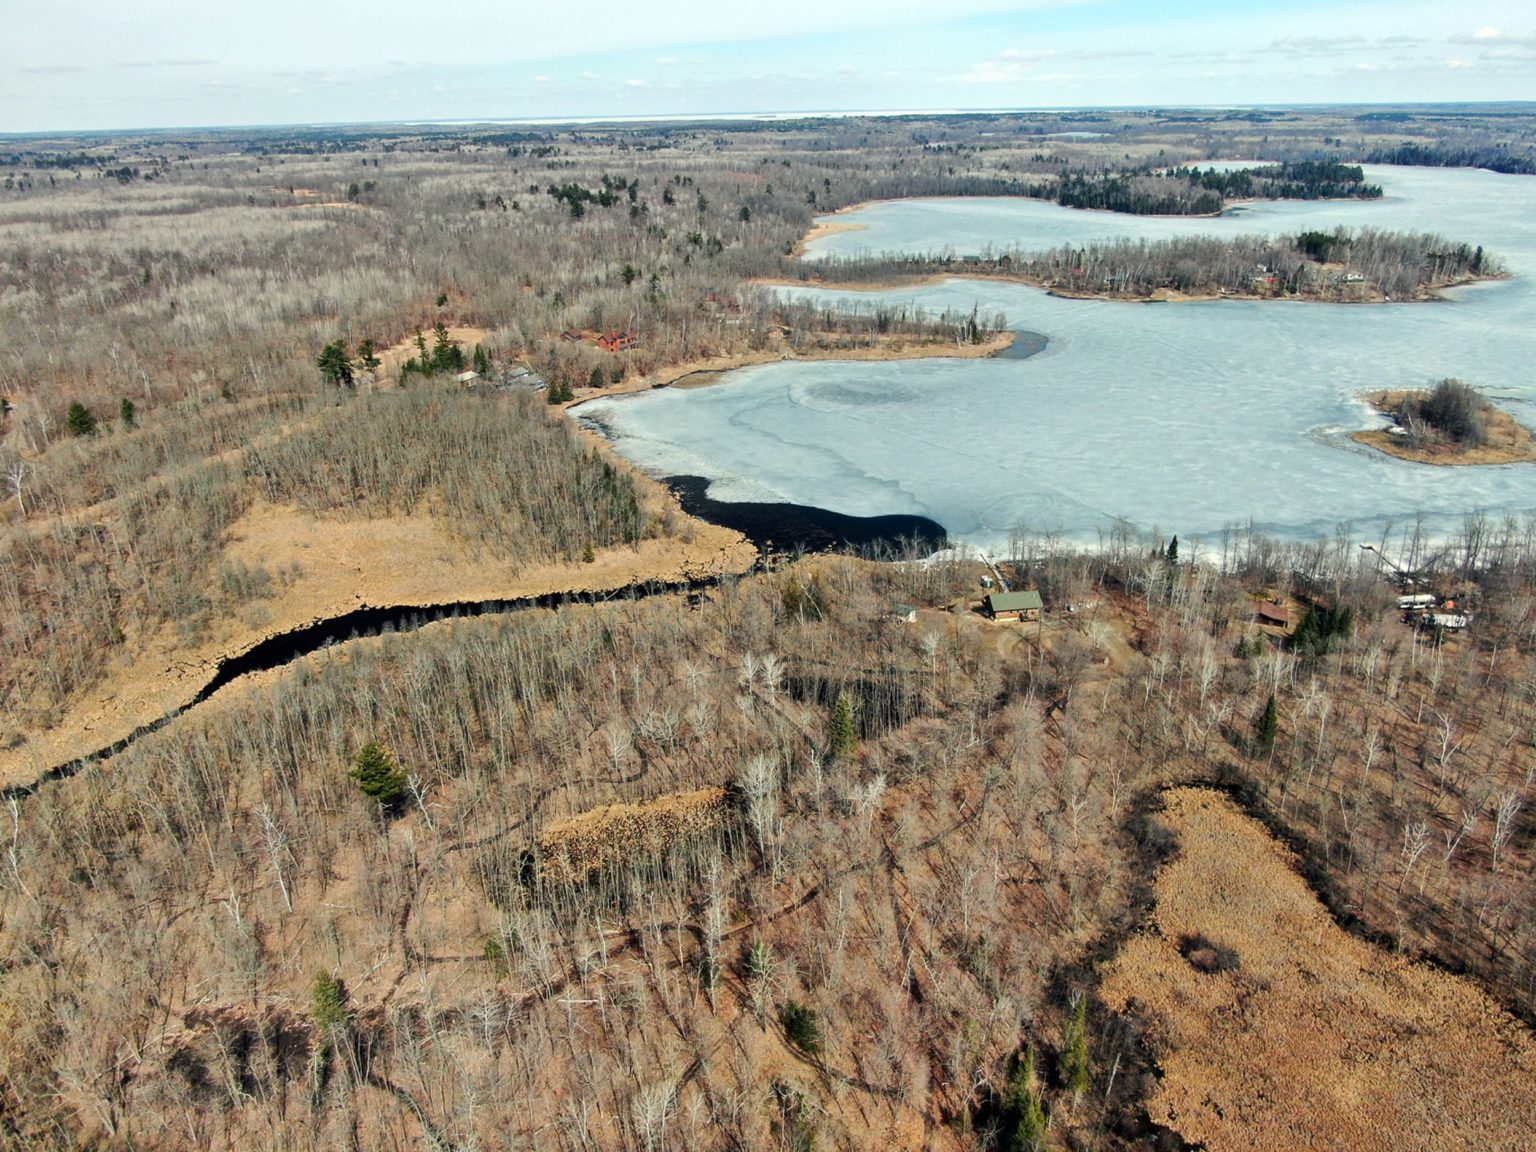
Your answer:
<point x="367" y="357"/>
<point x="843" y="740"/>
<point x="801" y="1027"/>
<point x="79" y="420"/>
<point x="1026" y="1106"/>
<point x="330" y="1013"/>
<point x="496" y="956"/>
<point x="1074" y="1054"/>
<point x="328" y="1002"/>
<point x="446" y="355"/>
<point x="377" y="776"/>
<point x="127" y="413"/>
<point x="334" y="363"/>
<point x="1269" y="727"/>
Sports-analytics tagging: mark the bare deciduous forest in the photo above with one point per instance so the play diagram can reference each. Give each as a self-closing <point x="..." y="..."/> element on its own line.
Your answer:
<point x="759" y="867"/>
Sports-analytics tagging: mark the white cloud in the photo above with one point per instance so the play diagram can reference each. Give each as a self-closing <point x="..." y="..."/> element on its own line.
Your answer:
<point x="1487" y="34"/>
<point x="991" y="72"/>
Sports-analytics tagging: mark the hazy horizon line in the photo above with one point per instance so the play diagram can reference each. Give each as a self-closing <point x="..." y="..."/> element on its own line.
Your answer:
<point x="775" y="115"/>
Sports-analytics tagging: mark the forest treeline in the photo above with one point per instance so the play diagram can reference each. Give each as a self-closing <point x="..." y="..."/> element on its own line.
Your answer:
<point x="1495" y="158"/>
<point x="1197" y="192"/>
<point x="1342" y="264"/>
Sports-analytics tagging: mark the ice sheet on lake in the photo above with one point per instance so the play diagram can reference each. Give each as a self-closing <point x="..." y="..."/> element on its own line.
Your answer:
<point x="1184" y="417"/>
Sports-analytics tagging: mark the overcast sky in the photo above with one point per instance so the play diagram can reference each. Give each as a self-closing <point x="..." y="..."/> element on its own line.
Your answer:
<point x="85" y="64"/>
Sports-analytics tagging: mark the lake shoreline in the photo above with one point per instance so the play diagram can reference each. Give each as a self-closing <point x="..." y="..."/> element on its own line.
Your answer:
<point x="1427" y="294"/>
<point x="705" y="372"/>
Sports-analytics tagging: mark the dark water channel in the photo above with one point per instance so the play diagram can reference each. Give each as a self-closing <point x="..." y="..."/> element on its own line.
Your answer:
<point x="772" y="527"/>
<point x="280" y="650"/>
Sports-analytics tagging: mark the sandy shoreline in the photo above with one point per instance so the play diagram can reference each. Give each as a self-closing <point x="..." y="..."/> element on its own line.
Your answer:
<point x="819" y="230"/>
<point x="680" y="375"/>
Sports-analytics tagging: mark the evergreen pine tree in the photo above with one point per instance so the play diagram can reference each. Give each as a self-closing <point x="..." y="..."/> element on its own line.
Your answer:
<point x="367" y="357"/>
<point x="843" y="741"/>
<point x="1269" y="727"/>
<point x="1173" y="551"/>
<point x="79" y="420"/>
<point x="1026" y="1106"/>
<point x="328" y="1002"/>
<point x="334" y="363"/>
<point x="1074" y="1054"/>
<point x="328" y="1009"/>
<point x="126" y="413"/>
<point x="496" y="956"/>
<point x="377" y="776"/>
<point x="446" y="355"/>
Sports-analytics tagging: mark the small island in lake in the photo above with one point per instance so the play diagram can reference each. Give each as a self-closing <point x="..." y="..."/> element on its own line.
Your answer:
<point x="1452" y="423"/>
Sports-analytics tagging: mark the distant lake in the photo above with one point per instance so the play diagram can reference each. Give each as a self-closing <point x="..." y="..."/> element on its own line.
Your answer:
<point x="1182" y="417"/>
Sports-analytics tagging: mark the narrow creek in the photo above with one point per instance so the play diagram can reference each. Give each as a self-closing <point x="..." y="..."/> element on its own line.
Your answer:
<point x="287" y="647"/>
<point x="771" y="527"/>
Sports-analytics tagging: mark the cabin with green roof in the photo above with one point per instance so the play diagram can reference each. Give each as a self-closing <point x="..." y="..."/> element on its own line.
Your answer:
<point x="1013" y="605"/>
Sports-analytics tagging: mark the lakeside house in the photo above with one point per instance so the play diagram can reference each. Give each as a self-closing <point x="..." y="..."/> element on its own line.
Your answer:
<point x="1013" y="605"/>
<point x="618" y="341"/>
<point x="726" y="309"/>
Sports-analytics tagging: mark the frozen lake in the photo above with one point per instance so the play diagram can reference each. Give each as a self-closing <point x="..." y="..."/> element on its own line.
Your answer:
<point x="1182" y="417"/>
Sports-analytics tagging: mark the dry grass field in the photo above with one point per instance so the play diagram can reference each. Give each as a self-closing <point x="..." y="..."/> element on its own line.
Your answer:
<point x="1272" y="1028"/>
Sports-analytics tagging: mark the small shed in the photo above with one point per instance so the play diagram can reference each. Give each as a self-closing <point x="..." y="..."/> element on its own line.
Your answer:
<point x="467" y="377"/>
<point x="1272" y="615"/>
<point x="1013" y="605"/>
<point x="904" y="612"/>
